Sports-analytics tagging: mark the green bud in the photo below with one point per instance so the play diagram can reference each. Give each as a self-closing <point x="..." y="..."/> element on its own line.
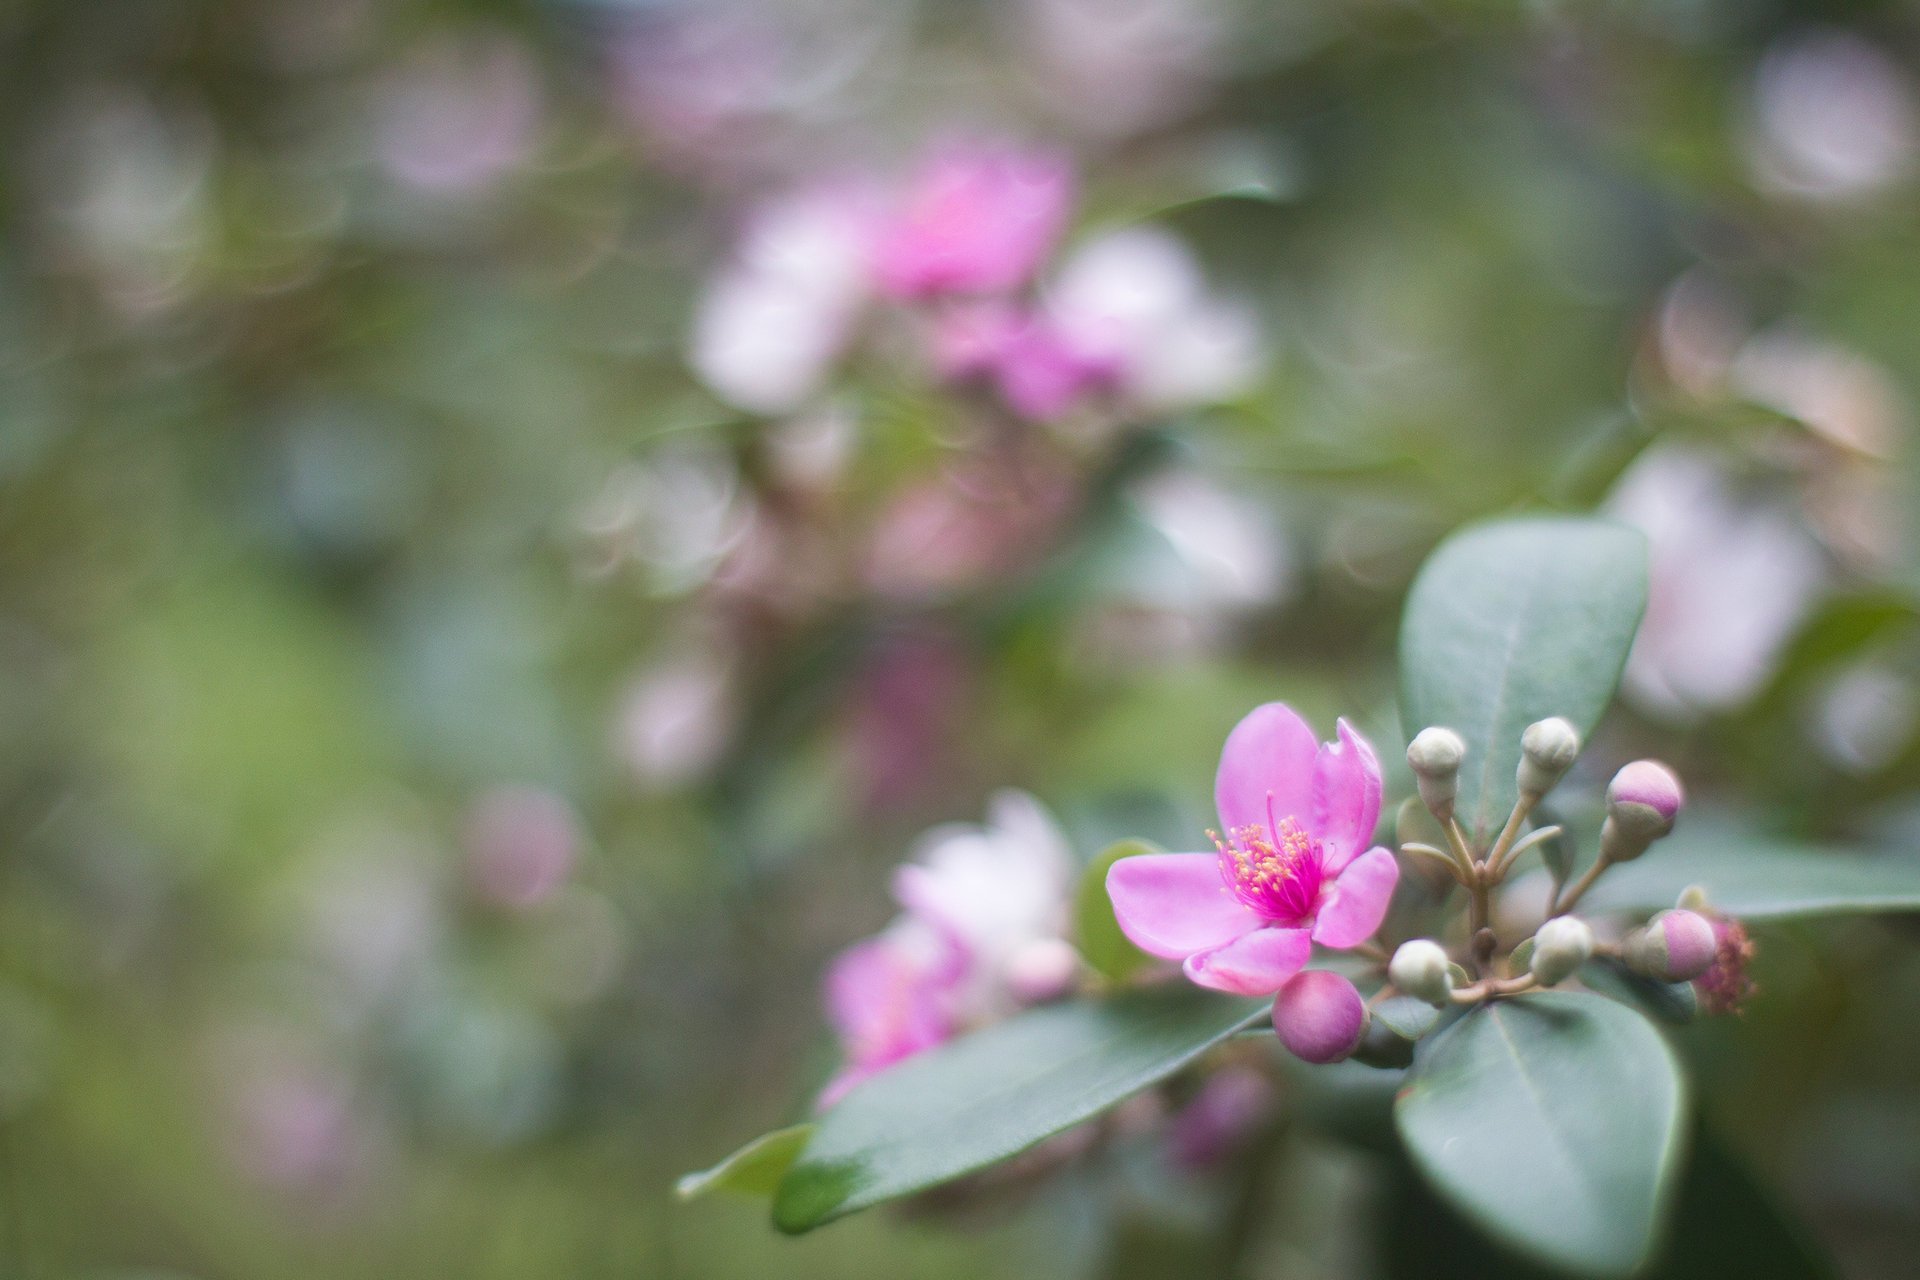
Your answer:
<point x="1560" y="946"/>
<point x="1548" y="749"/>
<point x="1421" y="969"/>
<point x="1435" y="755"/>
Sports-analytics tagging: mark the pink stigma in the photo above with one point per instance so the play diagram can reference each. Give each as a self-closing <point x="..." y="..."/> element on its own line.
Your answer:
<point x="1281" y="882"/>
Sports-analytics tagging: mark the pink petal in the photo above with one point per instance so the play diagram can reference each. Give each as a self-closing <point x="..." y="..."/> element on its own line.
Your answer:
<point x="1346" y="797"/>
<point x="1254" y="964"/>
<point x="1270" y="755"/>
<point x="1319" y="1016"/>
<point x="1174" y="904"/>
<point x="1357" y="903"/>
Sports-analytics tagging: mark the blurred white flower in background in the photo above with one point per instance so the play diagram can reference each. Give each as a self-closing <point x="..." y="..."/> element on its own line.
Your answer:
<point x="129" y="186"/>
<point x="1232" y="553"/>
<point x="460" y="114"/>
<point x="1733" y="574"/>
<point x="675" y="514"/>
<point x="1113" y="68"/>
<point x="1833" y="118"/>
<point x="1864" y="716"/>
<point x="1138" y="297"/>
<point x="1001" y="892"/>
<point x="674" y="718"/>
<point x="771" y="323"/>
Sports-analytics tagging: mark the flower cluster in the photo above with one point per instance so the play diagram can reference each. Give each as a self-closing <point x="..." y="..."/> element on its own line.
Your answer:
<point x="982" y="932"/>
<point x="959" y="249"/>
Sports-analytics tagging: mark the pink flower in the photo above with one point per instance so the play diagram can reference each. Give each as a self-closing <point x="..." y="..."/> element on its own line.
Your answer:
<point x="978" y="218"/>
<point x="983" y="933"/>
<point x="1041" y="372"/>
<point x="1288" y="872"/>
<point x="889" y="998"/>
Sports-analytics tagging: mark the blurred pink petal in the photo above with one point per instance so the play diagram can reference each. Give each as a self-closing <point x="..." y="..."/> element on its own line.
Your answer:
<point x="978" y="217"/>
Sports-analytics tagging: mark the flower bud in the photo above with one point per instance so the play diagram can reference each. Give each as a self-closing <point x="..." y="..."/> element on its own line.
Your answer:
<point x="1547" y="750"/>
<point x="1560" y="946"/>
<point x="1675" y="946"/>
<point x="1421" y="969"/>
<point x="1320" y="1016"/>
<point x="1435" y="755"/>
<point x="1643" y="800"/>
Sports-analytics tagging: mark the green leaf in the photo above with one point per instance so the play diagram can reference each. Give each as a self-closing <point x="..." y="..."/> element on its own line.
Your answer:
<point x="1407" y="1017"/>
<point x="991" y="1095"/>
<point x="753" y="1170"/>
<point x="1095" y="930"/>
<point x="1512" y="622"/>
<point x="1521" y="960"/>
<point x="1670" y="1002"/>
<point x="1553" y="1121"/>
<point x="1757" y="877"/>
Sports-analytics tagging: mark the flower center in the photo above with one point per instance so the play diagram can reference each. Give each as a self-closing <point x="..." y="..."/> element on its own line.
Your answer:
<point x="1279" y="879"/>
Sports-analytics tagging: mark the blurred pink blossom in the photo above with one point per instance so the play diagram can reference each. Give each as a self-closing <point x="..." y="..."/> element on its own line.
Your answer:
<point x="889" y="998"/>
<point x="460" y="114"/>
<point x="674" y="718"/>
<point x="979" y="217"/>
<point x="983" y="933"/>
<point x="1733" y="574"/>
<point x="906" y="707"/>
<point x="522" y="843"/>
<point x="1220" y="1118"/>
<point x="1127" y="316"/>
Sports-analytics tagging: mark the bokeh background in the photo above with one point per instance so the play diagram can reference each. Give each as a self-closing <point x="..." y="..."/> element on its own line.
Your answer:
<point x="464" y="671"/>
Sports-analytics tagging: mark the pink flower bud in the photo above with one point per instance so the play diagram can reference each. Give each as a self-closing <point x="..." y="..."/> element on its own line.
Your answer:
<point x="1649" y="784"/>
<point x="1643" y="800"/>
<point x="1320" y="1016"/>
<point x="1676" y="946"/>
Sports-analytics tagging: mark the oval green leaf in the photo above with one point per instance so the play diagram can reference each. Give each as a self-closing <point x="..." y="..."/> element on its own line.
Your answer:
<point x="1554" y="1122"/>
<point x="753" y="1170"/>
<point x="1512" y="622"/>
<point x="1758" y="877"/>
<point x="1095" y="931"/>
<point x="991" y="1095"/>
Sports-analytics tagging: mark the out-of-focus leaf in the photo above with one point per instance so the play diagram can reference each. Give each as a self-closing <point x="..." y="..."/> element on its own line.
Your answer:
<point x="1672" y="1002"/>
<point x="979" y="1100"/>
<point x="1554" y="1122"/>
<point x="753" y="1170"/>
<point x="1725" y="1223"/>
<point x="1512" y="622"/>
<point x="1758" y="877"/>
<point x="1522" y="958"/>
<point x="1095" y="930"/>
<point x="1409" y="1018"/>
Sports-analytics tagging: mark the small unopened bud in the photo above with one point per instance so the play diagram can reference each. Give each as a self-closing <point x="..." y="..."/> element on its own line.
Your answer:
<point x="1560" y="946"/>
<point x="1675" y="946"/>
<point x="1692" y="898"/>
<point x="1643" y="801"/>
<point x="1547" y="750"/>
<point x="1435" y="754"/>
<point x="1421" y="969"/>
<point x="1319" y="1015"/>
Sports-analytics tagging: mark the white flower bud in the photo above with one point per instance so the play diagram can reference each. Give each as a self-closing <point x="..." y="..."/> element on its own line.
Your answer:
<point x="1560" y="946"/>
<point x="1548" y="749"/>
<point x="1435" y="755"/>
<point x="1421" y="969"/>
